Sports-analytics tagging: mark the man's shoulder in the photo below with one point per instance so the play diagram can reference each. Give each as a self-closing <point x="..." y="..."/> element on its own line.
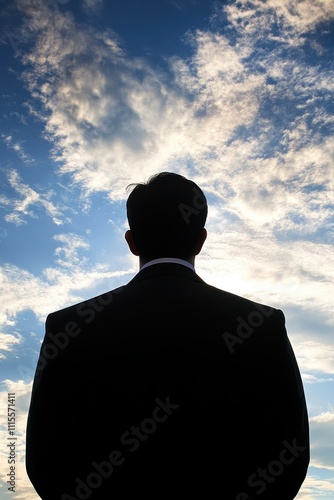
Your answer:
<point x="239" y="302"/>
<point x="87" y="308"/>
<point x="203" y="294"/>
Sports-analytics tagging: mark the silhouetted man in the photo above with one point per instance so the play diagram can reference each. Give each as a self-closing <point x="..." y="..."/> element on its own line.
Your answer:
<point x="167" y="387"/>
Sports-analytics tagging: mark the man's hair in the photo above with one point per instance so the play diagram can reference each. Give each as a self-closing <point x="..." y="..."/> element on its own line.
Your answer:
<point x="166" y="216"/>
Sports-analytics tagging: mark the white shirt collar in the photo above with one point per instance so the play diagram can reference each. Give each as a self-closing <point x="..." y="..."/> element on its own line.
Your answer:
<point x="171" y="260"/>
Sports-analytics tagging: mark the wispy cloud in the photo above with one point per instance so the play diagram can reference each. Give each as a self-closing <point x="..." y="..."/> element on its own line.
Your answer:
<point x="92" y="5"/>
<point x="69" y="251"/>
<point x="311" y="379"/>
<point x="284" y="19"/>
<point x="18" y="148"/>
<point x="28" y="202"/>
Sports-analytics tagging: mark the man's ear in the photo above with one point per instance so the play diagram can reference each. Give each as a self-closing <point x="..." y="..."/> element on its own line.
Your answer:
<point x="201" y="240"/>
<point x="130" y="242"/>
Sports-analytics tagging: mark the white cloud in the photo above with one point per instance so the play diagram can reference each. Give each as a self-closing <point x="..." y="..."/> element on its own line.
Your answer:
<point x="324" y="418"/>
<point x="315" y="487"/>
<point x="322" y="438"/>
<point x="315" y="356"/>
<point x="22" y="391"/>
<point x="293" y="17"/>
<point x="249" y="261"/>
<point x="7" y="341"/>
<point x="19" y="289"/>
<point x="311" y="379"/>
<point x="115" y="120"/>
<point x="58" y="287"/>
<point x="29" y="200"/>
<point x="72" y="243"/>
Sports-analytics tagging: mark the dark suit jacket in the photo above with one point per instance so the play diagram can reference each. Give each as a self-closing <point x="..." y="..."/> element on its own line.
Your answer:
<point x="165" y="388"/>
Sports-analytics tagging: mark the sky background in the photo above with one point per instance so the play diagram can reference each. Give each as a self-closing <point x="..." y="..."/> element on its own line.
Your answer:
<point x="237" y="96"/>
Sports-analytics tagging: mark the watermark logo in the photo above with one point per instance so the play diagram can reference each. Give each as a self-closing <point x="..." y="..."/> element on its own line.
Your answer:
<point x="264" y="476"/>
<point x="246" y="327"/>
<point x="198" y="204"/>
<point x="60" y="340"/>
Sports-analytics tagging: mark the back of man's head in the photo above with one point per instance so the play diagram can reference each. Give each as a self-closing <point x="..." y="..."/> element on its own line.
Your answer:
<point x="166" y="216"/>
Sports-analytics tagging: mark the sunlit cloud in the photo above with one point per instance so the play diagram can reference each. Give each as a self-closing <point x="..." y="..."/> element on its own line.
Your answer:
<point x="322" y="435"/>
<point x="292" y="18"/>
<point x="57" y="288"/>
<point x="315" y="356"/>
<point x="323" y="418"/>
<point x="315" y="488"/>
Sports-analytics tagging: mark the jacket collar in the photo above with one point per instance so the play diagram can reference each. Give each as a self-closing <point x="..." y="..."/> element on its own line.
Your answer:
<point x="166" y="269"/>
<point x="164" y="260"/>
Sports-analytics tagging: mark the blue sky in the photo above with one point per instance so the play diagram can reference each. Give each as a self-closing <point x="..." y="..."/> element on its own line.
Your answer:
<point x="237" y="96"/>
